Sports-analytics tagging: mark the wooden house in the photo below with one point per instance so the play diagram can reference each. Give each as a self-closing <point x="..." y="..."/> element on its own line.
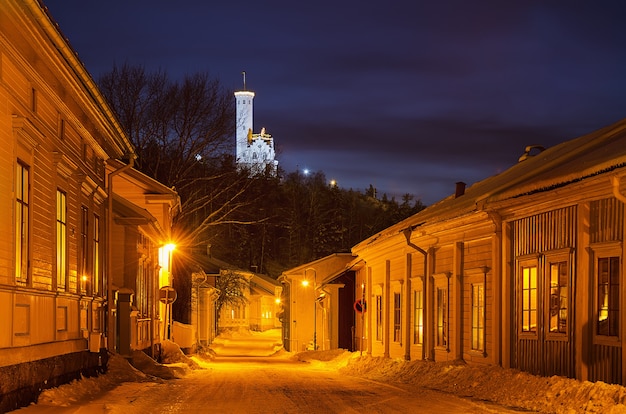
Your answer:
<point x="140" y="257"/>
<point x="524" y="269"/>
<point x="60" y="216"/>
<point x="318" y="304"/>
<point x="259" y="312"/>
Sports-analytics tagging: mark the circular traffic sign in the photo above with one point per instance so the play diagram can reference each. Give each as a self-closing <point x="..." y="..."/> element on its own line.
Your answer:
<point x="167" y="295"/>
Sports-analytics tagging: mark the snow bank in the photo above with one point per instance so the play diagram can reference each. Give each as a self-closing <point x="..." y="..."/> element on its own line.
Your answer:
<point x="506" y="387"/>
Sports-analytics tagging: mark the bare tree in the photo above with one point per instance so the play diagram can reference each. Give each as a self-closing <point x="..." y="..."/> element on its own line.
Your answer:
<point x="183" y="134"/>
<point x="232" y="288"/>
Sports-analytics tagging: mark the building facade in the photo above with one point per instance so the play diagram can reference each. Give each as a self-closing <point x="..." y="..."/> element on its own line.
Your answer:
<point x="60" y="216"/>
<point x="255" y="152"/>
<point x="318" y="304"/>
<point x="524" y="269"/>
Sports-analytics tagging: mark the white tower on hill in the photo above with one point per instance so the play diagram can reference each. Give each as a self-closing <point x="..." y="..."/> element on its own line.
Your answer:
<point x="255" y="152"/>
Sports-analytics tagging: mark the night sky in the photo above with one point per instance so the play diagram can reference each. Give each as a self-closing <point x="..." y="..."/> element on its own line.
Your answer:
<point x="410" y="96"/>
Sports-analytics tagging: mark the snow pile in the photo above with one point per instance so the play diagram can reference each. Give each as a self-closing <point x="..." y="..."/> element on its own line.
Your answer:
<point x="506" y="387"/>
<point x="85" y="389"/>
<point x="143" y="369"/>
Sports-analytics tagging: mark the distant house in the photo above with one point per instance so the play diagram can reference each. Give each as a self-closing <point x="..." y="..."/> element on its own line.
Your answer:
<point x="524" y="269"/>
<point x="258" y="313"/>
<point x="318" y="304"/>
<point x="81" y="229"/>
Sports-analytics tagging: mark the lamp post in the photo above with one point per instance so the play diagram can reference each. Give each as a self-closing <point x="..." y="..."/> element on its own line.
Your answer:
<point x="305" y="282"/>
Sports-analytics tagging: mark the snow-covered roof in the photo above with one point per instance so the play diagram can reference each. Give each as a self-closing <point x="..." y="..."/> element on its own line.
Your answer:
<point x="600" y="151"/>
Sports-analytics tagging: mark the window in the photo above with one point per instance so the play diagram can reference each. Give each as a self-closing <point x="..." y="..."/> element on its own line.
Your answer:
<point x="478" y="316"/>
<point x="95" y="269"/>
<point x="559" y="297"/>
<point x="529" y="298"/>
<point x="379" y="318"/>
<point x="61" y="240"/>
<point x="442" y="317"/>
<point x="608" y="296"/>
<point x="22" y="226"/>
<point x="84" y="245"/>
<point x="418" y="317"/>
<point x="142" y="288"/>
<point x="397" y="317"/>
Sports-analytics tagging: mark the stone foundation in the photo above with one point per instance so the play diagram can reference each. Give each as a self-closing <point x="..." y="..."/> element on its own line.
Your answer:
<point x="21" y="384"/>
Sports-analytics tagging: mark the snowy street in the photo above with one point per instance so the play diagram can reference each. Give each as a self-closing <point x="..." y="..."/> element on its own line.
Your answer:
<point x="249" y="373"/>
<point x="267" y="385"/>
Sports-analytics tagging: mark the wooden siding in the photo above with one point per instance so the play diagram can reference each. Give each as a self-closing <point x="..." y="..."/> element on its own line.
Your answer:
<point x="606" y="221"/>
<point x="552" y="230"/>
<point x="542" y="353"/>
<point x="606" y="364"/>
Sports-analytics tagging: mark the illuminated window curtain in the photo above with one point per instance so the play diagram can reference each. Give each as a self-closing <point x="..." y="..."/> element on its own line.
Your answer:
<point x="84" y="277"/>
<point x="61" y="240"/>
<point x="442" y="317"/>
<point x="96" y="255"/>
<point x="418" y="317"/>
<point x="22" y="226"/>
<point x="529" y="299"/>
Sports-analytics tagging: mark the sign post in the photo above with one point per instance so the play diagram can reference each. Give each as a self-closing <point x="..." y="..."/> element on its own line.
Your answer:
<point x="167" y="296"/>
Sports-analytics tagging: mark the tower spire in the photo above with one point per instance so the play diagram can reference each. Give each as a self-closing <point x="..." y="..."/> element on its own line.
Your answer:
<point x="244" y="80"/>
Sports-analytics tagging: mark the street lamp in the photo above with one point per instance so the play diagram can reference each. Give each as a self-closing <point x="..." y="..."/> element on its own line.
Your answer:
<point x="305" y="282"/>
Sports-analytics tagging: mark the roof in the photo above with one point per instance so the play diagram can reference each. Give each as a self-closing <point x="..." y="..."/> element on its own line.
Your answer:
<point x="601" y="151"/>
<point x="325" y="269"/>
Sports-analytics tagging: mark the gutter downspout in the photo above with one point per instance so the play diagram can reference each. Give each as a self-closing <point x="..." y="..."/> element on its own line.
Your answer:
<point x="615" y="180"/>
<point x="426" y="313"/>
<point x="109" y="255"/>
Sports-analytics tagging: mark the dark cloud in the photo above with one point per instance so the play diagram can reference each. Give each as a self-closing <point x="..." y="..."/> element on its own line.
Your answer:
<point x="409" y="96"/>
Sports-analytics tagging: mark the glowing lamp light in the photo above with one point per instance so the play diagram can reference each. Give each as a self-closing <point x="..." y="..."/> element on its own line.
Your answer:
<point x="277" y="300"/>
<point x="305" y="282"/>
<point x="170" y="247"/>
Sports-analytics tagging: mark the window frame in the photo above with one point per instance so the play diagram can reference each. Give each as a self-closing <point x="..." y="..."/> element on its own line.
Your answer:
<point x="397" y="317"/>
<point x="418" y="317"/>
<point x="550" y="258"/>
<point x="442" y="310"/>
<point x="522" y="263"/>
<point x="379" y="318"/>
<point x="602" y="251"/>
<point x="62" y="264"/>
<point x="22" y="213"/>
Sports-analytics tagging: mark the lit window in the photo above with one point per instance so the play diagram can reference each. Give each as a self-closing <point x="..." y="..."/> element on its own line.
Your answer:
<point x="96" y="254"/>
<point x="559" y="297"/>
<point x="608" y="296"/>
<point x="379" y="318"/>
<point x="61" y="240"/>
<point x="529" y="299"/>
<point x="84" y="245"/>
<point x="397" y="317"/>
<point x="22" y="226"/>
<point x="418" y="317"/>
<point x="478" y="316"/>
<point x="442" y="317"/>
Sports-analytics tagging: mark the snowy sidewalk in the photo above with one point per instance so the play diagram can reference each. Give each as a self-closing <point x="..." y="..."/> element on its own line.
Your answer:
<point x="248" y="343"/>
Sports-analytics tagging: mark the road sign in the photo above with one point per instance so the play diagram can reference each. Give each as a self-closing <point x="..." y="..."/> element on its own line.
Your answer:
<point x="167" y="295"/>
<point x="360" y="306"/>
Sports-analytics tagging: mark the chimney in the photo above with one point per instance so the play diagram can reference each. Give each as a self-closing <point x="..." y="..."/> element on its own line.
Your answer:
<point x="208" y="250"/>
<point x="460" y="189"/>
